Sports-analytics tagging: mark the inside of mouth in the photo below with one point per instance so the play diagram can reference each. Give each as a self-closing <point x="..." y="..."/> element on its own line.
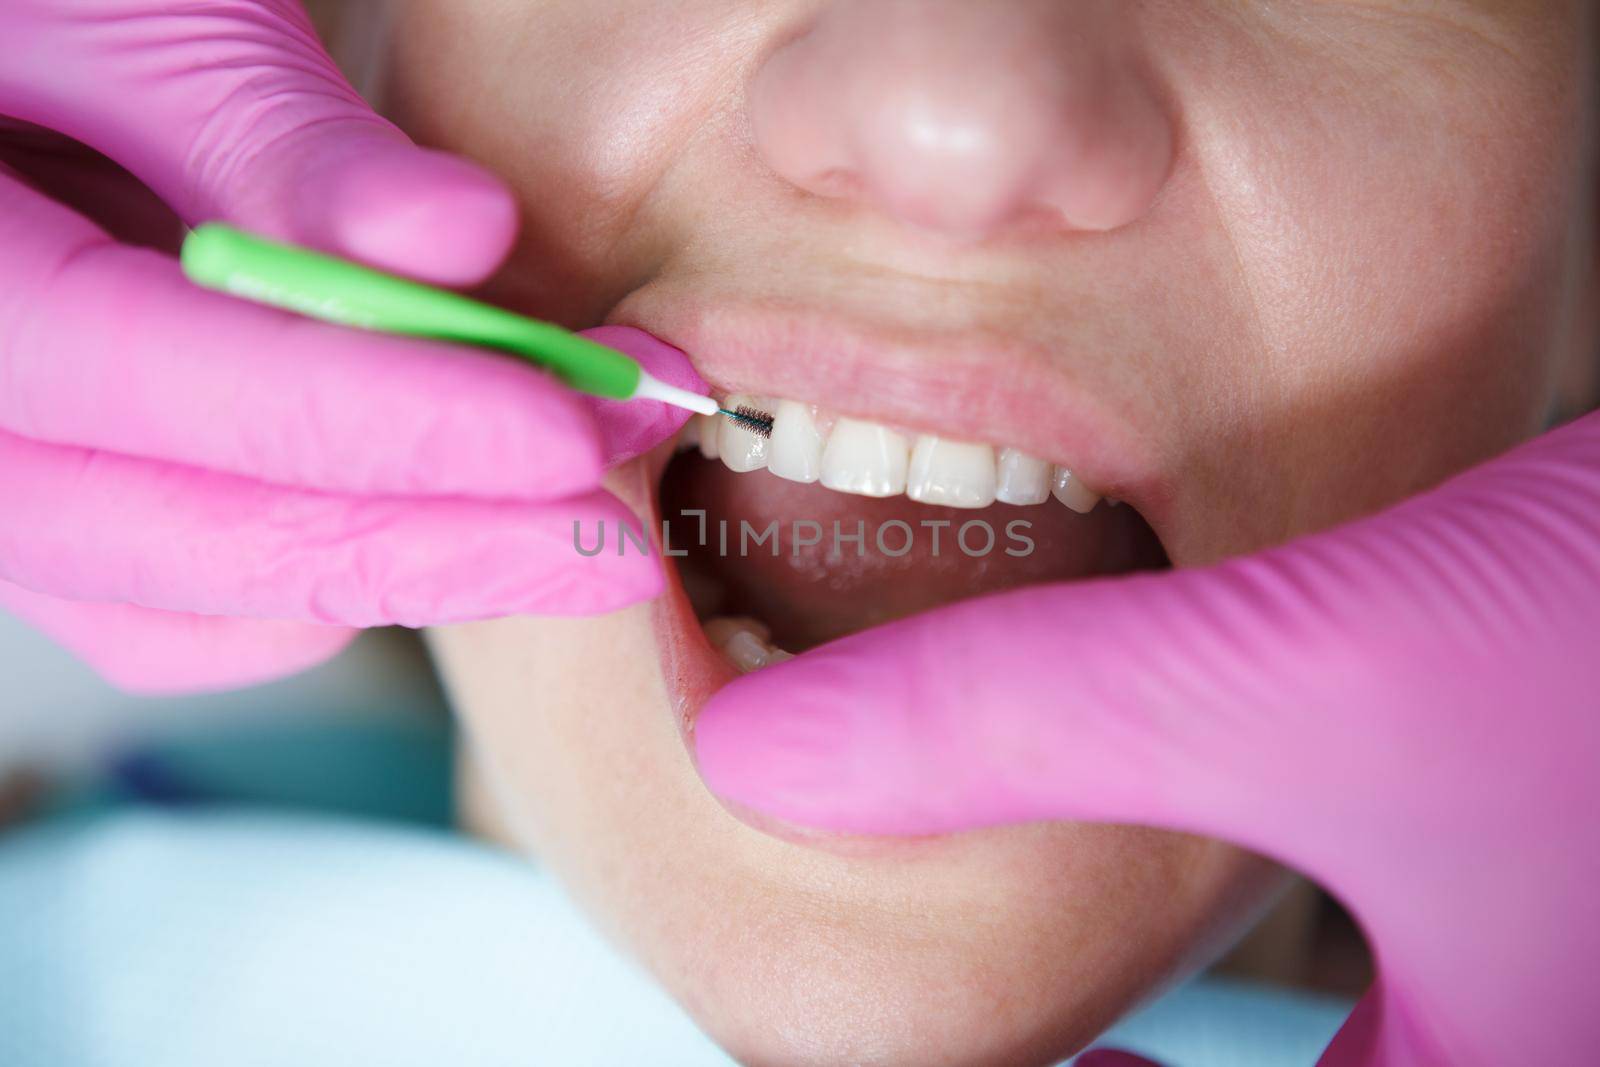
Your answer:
<point x="775" y="564"/>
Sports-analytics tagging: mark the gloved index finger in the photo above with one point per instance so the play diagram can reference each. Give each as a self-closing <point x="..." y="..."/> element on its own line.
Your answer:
<point x="117" y="529"/>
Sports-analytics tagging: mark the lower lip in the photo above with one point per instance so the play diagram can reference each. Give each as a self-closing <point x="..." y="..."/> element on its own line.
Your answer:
<point x="690" y="667"/>
<point x="692" y="671"/>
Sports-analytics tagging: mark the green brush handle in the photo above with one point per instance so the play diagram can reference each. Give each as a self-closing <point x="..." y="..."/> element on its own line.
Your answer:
<point x="325" y="287"/>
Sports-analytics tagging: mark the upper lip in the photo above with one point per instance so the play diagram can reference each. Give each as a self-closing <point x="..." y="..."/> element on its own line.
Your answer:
<point x="967" y="385"/>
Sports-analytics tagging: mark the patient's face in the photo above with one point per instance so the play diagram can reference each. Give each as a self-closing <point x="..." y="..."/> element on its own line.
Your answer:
<point x="1250" y="268"/>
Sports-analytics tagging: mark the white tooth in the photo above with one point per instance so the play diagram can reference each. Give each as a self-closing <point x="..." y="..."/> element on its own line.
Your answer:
<point x="741" y="449"/>
<point x="795" y="451"/>
<point x="865" y="458"/>
<point x="707" y="426"/>
<point x="747" y="651"/>
<point x="957" y="474"/>
<point x="720" y="630"/>
<point x="1072" y="492"/>
<point x="1021" y="478"/>
<point x="745" y="641"/>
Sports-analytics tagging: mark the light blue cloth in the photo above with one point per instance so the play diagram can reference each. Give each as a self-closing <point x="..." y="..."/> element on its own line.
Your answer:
<point x="182" y="939"/>
<point x="140" y="937"/>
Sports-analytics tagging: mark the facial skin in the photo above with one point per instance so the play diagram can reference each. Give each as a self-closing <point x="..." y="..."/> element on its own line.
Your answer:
<point x="1253" y="268"/>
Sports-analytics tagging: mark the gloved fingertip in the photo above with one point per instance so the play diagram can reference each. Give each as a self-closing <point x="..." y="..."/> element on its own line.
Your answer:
<point x="235" y="655"/>
<point x="632" y="427"/>
<point x="537" y="565"/>
<point x="162" y="653"/>
<point x="617" y="582"/>
<point x="413" y="211"/>
<point x="762" y="750"/>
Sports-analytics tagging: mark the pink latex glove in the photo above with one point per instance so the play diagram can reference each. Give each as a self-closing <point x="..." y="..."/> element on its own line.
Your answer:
<point x="1406" y="708"/>
<point x="198" y="492"/>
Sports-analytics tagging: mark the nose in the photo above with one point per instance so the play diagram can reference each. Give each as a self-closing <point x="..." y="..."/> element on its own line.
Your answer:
<point x="968" y="116"/>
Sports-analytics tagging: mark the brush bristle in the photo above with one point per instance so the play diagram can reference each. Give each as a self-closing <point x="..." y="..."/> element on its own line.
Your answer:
<point x="753" y="419"/>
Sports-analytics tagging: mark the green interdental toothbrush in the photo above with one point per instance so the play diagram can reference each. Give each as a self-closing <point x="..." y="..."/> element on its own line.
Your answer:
<point x="217" y="256"/>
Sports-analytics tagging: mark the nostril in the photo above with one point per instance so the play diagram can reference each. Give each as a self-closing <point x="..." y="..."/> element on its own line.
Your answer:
<point x="1110" y="175"/>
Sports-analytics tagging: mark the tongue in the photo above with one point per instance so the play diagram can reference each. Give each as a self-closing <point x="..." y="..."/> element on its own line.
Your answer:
<point x="811" y="593"/>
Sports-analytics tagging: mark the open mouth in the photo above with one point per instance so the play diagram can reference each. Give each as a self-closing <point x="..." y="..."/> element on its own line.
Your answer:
<point x="833" y="525"/>
<point x="838" y="521"/>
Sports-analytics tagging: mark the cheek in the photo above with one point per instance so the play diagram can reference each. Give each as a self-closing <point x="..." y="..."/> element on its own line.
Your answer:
<point x="581" y="105"/>
<point x="1375" y="256"/>
<point x="1402" y="237"/>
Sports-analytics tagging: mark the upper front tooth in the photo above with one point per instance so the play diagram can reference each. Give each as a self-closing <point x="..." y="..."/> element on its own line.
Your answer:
<point x="957" y="474"/>
<point x="1072" y="492"/>
<point x="741" y="449"/>
<point x="795" y="451"/>
<point x="863" y="457"/>
<point x="1021" y="478"/>
<point x="873" y="460"/>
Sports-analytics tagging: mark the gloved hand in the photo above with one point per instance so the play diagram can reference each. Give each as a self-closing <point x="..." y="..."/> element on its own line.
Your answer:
<point x="198" y="492"/>
<point x="1406" y="708"/>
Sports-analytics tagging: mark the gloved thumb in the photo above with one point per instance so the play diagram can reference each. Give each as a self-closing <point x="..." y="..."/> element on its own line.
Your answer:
<point x="235" y="110"/>
<point x="360" y="189"/>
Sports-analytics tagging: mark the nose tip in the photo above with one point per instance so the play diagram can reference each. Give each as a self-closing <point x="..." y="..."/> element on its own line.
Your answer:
<point x="968" y="117"/>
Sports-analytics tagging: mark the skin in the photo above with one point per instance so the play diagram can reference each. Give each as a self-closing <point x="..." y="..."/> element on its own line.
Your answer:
<point x="1313" y="256"/>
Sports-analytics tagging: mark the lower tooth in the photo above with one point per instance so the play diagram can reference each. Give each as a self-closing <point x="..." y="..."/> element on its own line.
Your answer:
<point x="1072" y="492"/>
<point x="745" y="642"/>
<point x="721" y="629"/>
<point x="747" y="651"/>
